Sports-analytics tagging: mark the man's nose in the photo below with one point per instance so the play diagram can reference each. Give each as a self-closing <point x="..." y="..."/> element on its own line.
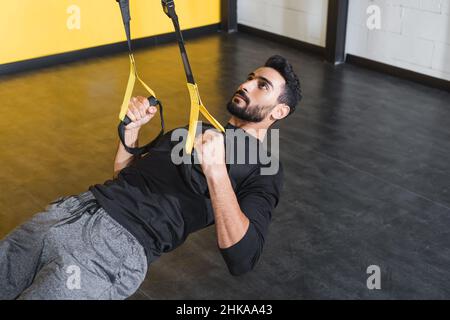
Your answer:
<point x="243" y="88"/>
<point x="246" y="86"/>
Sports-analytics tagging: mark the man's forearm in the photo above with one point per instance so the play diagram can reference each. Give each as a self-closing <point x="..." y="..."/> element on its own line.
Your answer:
<point x="123" y="158"/>
<point x="231" y="223"/>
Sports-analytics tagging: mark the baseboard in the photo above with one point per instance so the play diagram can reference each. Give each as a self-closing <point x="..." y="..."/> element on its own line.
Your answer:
<point x="48" y="61"/>
<point x="399" y="72"/>
<point x="282" y="39"/>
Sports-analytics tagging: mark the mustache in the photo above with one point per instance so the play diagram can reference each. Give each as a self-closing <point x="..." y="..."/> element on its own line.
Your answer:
<point x="243" y="95"/>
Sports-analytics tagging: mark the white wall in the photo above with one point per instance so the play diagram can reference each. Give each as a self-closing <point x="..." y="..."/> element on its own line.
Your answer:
<point x="414" y="35"/>
<point x="303" y="20"/>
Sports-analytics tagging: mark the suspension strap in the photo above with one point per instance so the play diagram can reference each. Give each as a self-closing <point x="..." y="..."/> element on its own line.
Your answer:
<point x="124" y="119"/>
<point x="196" y="102"/>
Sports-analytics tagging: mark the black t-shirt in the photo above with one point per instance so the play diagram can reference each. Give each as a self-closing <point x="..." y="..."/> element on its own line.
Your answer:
<point x="161" y="202"/>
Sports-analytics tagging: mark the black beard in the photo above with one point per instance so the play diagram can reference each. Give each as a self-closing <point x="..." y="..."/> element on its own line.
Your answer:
<point x="253" y="114"/>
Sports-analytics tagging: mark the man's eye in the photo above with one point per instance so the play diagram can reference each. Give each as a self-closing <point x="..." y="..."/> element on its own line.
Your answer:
<point x="263" y="85"/>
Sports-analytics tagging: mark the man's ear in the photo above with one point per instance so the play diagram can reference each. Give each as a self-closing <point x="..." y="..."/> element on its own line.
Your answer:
<point x="280" y="111"/>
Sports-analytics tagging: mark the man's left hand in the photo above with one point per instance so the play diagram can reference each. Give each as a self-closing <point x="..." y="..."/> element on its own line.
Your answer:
<point x="210" y="150"/>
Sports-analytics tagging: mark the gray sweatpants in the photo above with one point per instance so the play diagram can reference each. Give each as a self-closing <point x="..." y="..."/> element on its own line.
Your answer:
<point x="73" y="250"/>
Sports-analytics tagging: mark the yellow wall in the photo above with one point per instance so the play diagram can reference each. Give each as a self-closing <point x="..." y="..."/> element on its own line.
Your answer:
<point x="37" y="28"/>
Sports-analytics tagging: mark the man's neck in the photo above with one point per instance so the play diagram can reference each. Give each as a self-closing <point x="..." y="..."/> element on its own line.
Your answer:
<point x="258" y="130"/>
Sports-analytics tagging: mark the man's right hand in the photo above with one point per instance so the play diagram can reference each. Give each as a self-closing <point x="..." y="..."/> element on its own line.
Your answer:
<point x="140" y="112"/>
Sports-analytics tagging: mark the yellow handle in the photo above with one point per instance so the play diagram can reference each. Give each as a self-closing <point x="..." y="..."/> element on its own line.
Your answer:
<point x="196" y="107"/>
<point x="130" y="86"/>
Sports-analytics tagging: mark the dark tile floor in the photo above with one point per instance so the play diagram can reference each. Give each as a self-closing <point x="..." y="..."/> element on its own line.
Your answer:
<point x="367" y="157"/>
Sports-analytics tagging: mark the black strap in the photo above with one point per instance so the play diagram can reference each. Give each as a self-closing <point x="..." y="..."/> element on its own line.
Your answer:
<point x="151" y="144"/>
<point x="169" y="9"/>
<point x="126" y="17"/>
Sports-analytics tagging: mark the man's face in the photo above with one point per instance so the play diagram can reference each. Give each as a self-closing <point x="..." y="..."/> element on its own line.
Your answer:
<point x="256" y="97"/>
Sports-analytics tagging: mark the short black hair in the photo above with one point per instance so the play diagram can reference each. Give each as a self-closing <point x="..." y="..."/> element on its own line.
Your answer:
<point x="292" y="94"/>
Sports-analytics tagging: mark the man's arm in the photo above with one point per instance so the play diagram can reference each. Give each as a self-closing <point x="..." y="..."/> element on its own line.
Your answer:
<point x="140" y="112"/>
<point x="123" y="158"/>
<point x="231" y="223"/>
<point x="241" y="219"/>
